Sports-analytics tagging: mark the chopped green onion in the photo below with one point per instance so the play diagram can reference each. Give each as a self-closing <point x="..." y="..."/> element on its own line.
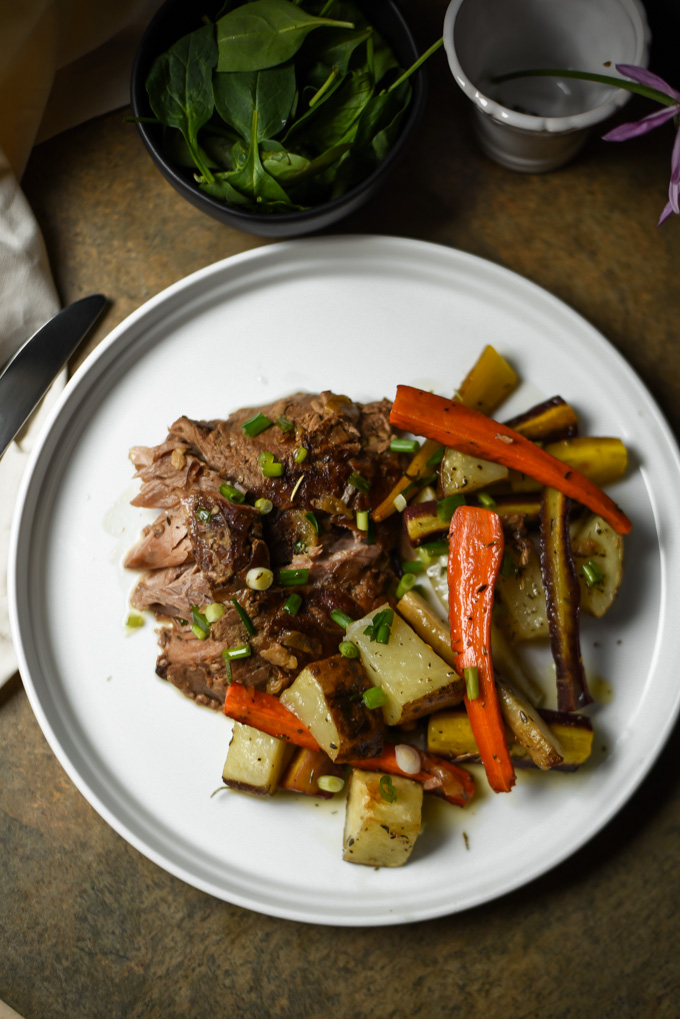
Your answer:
<point x="341" y="618"/>
<point x="348" y="649"/>
<point x="383" y="634"/>
<point x="265" y="457"/>
<point x="405" y="584"/>
<point x="199" y="621"/>
<point x="285" y="424"/>
<point x="313" y="521"/>
<point x="199" y="632"/>
<point x="592" y="573"/>
<point x="245" y="618"/>
<point x="254" y="425"/>
<point x="412" y="566"/>
<point x="486" y="500"/>
<point x="362" y="520"/>
<point x="359" y="482"/>
<point x="214" y="611"/>
<point x="370" y="532"/>
<point x="272" y="470"/>
<point x="471" y="677"/>
<point x="293" y="603"/>
<point x="301" y="454"/>
<point x="387" y="790"/>
<point x="508" y="566"/>
<point x="448" y="505"/>
<point x="293" y="578"/>
<point x="404" y="445"/>
<point x="374" y="697"/>
<point x="202" y="514"/>
<point x="400" y="503"/>
<point x="436" y="458"/>
<point x="259" y="578"/>
<point x="134" y="620"/>
<point x="264" y="506"/>
<point x="330" y="783"/>
<point x="232" y="494"/>
<point x="232" y="654"/>
<point x="432" y="550"/>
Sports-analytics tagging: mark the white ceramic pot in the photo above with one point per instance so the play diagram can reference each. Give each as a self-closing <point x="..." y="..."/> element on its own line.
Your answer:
<point x="538" y="124"/>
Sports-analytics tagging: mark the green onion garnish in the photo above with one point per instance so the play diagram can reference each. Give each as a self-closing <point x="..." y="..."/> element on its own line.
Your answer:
<point x="202" y="514"/>
<point x="471" y="677"/>
<point x="404" y="445"/>
<point x="214" y="611"/>
<point x="433" y="549"/>
<point x="293" y="578"/>
<point x="254" y="425"/>
<point x="348" y="649"/>
<point x="341" y="618"/>
<point x="134" y="620"/>
<point x="374" y="697"/>
<point x="265" y="457"/>
<point x="508" y="566"/>
<point x="264" y="506"/>
<point x="448" y="505"/>
<point x="300" y="454"/>
<point x="199" y="632"/>
<point x="272" y="469"/>
<point x="293" y="603"/>
<point x="331" y="783"/>
<point x="486" y="500"/>
<point x="412" y="566"/>
<point x="405" y="584"/>
<point x="232" y="494"/>
<point x="436" y="458"/>
<point x="383" y="634"/>
<point x="199" y="621"/>
<point x="245" y="618"/>
<point x="379" y="629"/>
<point x="359" y="482"/>
<point x="592" y="573"/>
<point x="232" y="654"/>
<point x="362" y="520"/>
<point x="387" y="790"/>
<point x="285" y="424"/>
<point x="370" y="532"/>
<point x="313" y="521"/>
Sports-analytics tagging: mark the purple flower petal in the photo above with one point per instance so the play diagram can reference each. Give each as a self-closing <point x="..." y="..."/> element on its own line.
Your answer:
<point x="644" y="77"/>
<point x="667" y="211"/>
<point x="637" y="127"/>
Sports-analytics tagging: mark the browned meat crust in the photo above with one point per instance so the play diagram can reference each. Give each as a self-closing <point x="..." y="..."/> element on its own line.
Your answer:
<point x="201" y="547"/>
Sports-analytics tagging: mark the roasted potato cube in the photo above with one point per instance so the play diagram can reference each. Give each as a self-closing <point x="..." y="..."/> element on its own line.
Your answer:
<point x="380" y="833"/>
<point x="255" y="761"/>
<point x="524" y="615"/>
<point x="415" y="680"/>
<point x="461" y="472"/>
<point x="326" y="697"/>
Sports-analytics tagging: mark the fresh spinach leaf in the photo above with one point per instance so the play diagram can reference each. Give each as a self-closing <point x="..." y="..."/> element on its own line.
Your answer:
<point x="271" y="92"/>
<point x="380" y="123"/>
<point x="252" y="179"/>
<point x="179" y="86"/>
<point x="265" y="33"/>
<point x="342" y="111"/>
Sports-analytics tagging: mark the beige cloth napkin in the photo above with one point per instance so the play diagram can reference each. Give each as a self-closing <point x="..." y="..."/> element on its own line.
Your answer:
<point x="61" y="63"/>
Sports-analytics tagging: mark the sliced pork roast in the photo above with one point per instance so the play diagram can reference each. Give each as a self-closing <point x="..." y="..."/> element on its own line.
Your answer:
<point x="208" y="537"/>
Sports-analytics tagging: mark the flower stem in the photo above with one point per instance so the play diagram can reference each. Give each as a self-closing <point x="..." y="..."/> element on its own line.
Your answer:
<point x="604" y="79"/>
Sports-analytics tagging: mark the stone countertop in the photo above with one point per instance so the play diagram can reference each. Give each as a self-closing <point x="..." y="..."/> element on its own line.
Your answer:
<point x="89" y="927"/>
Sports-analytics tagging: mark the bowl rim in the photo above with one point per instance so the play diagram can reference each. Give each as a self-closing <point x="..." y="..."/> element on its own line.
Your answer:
<point x="525" y="121"/>
<point x="248" y="217"/>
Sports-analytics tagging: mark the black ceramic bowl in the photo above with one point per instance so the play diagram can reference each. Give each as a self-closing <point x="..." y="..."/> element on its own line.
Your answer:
<point x="178" y="17"/>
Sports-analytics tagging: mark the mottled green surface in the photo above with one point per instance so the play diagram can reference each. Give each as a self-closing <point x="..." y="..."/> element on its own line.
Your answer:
<point x="89" y="927"/>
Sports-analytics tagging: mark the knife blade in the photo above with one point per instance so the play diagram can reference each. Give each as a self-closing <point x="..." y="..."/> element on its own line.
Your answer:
<point x="36" y="364"/>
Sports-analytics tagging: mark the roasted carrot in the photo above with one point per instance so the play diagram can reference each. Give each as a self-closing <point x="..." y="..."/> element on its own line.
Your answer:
<point x="462" y="428"/>
<point x="475" y="556"/>
<point x="265" y="712"/>
<point x="438" y="776"/>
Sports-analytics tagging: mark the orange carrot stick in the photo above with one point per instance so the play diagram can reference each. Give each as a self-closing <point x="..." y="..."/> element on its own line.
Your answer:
<point x="265" y="712"/>
<point x="475" y="556"/>
<point x="465" y="429"/>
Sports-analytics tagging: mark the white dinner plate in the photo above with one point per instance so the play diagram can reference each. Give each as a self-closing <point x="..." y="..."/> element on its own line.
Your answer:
<point x="357" y="315"/>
